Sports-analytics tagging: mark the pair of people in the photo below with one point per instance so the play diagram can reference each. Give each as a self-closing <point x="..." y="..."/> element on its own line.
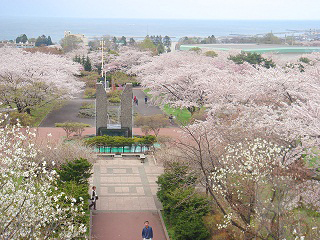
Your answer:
<point x="135" y="100"/>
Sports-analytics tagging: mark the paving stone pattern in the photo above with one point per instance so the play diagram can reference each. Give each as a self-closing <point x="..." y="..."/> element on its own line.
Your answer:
<point x="126" y="184"/>
<point x="127" y="197"/>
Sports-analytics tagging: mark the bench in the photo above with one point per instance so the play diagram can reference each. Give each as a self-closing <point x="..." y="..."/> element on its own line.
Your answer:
<point x="142" y="157"/>
<point x="107" y="154"/>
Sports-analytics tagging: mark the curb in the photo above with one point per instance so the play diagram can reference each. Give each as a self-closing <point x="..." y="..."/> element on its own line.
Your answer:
<point x="163" y="225"/>
<point x="90" y="225"/>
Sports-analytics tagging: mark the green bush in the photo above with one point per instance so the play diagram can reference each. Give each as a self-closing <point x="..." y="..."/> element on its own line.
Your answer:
<point x="136" y="84"/>
<point x="190" y="226"/>
<point x="90" y="93"/>
<point x="252" y="58"/>
<point x="78" y="170"/>
<point x="211" y="54"/>
<point x="183" y="207"/>
<point x="86" y="105"/>
<point x="195" y="49"/>
<point x="87" y="113"/>
<point x="24" y="119"/>
<point x="73" y="180"/>
<point x="114" y="94"/>
<point x="114" y="100"/>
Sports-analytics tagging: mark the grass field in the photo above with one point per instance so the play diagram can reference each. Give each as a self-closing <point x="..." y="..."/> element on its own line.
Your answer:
<point x="39" y="113"/>
<point x="181" y="115"/>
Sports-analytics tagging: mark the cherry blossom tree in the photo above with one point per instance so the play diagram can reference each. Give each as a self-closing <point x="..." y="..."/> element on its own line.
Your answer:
<point x="280" y="105"/>
<point x="31" y="206"/>
<point x="185" y="79"/>
<point x="257" y="98"/>
<point x="30" y="79"/>
<point x="128" y="58"/>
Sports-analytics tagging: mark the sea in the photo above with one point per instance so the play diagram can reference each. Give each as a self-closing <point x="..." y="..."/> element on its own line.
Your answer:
<point x="12" y="27"/>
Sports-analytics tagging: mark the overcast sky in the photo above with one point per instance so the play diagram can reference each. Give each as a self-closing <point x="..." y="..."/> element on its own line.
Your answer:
<point x="173" y="9"/>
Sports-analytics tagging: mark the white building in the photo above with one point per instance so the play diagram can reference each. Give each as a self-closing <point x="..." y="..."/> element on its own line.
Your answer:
<point x="81" y="36"/>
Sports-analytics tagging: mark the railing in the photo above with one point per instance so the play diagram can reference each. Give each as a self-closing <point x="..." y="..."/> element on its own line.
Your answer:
<point x="125" y="149"/>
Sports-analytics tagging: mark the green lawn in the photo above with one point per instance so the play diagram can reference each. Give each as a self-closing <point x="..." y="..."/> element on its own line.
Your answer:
<point x="39" y="113"/>
<point x="146" y="91"/>
<point x="181" y="115"/>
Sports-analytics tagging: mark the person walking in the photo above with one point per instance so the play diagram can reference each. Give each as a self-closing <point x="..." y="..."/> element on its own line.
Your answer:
<point x="137" y="101"/>
<point x="145" y="99"/>
<point x="94" y="198"/>
<point x="147" y="233"/>
<point x="171" y="119"/>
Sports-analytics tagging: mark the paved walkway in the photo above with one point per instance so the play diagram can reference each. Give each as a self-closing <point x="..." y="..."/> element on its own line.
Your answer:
<point x="69" y="112"/>
<point x="127" y="197"/>
<point x="142" y="108"/>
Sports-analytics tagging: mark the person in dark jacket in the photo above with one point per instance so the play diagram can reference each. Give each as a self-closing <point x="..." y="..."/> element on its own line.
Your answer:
<point x="147" y="233"/>
<point x="94" y="198"/>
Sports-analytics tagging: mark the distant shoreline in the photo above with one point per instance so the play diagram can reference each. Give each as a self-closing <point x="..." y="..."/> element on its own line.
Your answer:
<point x="12" y="27"/>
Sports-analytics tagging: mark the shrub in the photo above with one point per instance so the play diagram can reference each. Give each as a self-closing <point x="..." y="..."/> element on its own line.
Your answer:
<point x="72" y="127"/>
<point x="114" y="94"/>
<point x="252" y="58"/>
<point x="78" y="170"/>
<point x="211" y="54"/>
<point x="86" y="105"/>
<point x="154" y="123"/>
<point x="87" y="113"/>
<point x="195" y="49"/>
<point x="182" y="205"/>
<point x="114" y="100"/>
<point x="91" y="79"/>
<point x="175" y="175"/>
<point x="90" y="93"/>
<point x="136" y="84"/>
<point x="74" y="181"/>
<point x="23" y="118"/>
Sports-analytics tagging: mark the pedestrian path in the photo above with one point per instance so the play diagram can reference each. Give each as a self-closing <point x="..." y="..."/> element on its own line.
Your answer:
<point x="127" y="197"/>
<point x="126" y="184"/>
<point x="144" y="109"/>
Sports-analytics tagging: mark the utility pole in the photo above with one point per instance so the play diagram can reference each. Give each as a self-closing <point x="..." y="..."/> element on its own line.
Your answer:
<point x="102" y="43"/>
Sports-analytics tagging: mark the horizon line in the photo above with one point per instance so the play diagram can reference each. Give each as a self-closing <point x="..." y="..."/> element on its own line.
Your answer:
<point x="134" y="18"/>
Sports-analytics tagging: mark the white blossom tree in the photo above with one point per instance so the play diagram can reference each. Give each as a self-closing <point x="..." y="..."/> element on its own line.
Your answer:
<point x="30" y="79"/>
<point x="258" y="185"/>
<point x="31" y="206"/>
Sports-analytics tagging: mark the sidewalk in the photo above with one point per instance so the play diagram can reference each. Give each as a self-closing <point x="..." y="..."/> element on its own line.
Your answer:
<point x="127" y="197"/>
<point x="142" y="108"/>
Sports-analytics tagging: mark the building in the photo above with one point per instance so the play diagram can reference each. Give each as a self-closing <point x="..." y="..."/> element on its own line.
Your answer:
<point x="81" y="36"/>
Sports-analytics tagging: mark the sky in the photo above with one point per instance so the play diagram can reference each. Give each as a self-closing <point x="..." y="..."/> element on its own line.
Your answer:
<point x="166" y="9"/>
